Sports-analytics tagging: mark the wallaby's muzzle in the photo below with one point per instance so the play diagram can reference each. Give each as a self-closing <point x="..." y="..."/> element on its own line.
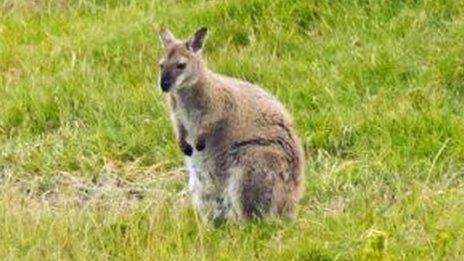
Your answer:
<point x="166" y="83"/>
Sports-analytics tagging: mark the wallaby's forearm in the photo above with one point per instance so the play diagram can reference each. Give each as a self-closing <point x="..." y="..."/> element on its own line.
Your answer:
<point x="183" y="144"/>
<point x="181" y="136"/>
<point x="207" y="130"/>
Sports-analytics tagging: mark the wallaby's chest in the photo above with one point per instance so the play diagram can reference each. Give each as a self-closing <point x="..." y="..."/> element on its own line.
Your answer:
<point x="190" y="120"/>
<point x="186" y="110"/>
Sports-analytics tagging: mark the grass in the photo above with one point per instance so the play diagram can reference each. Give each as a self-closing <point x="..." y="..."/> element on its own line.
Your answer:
<point x="376" y="89"/>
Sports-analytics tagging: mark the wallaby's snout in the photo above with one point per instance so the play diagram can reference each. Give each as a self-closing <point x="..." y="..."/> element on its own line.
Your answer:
<point x="165" y="82"/>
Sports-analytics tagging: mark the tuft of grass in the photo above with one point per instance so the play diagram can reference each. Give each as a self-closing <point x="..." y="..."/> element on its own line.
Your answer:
<point x="376" y="89"/>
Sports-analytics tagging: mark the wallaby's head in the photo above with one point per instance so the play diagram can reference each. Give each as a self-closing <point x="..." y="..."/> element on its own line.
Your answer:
<point x="181" y="65"/>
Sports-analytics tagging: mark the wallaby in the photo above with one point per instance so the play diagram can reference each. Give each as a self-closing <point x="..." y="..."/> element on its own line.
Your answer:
<point x="242" y="154"/>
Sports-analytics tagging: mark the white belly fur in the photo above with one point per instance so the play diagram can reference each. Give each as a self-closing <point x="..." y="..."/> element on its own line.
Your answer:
<point x="205" y="193"/>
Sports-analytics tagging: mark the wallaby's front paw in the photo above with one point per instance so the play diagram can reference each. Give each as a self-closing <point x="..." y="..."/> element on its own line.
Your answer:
<point x="201" y="144"/>
<point x="186" y="149"/>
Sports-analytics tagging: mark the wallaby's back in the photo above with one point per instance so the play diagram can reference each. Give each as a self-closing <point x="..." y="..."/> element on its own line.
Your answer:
<point x="262" y="140"/>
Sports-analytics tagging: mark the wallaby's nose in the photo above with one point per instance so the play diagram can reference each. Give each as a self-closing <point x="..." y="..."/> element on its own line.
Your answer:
<point x="166" y="83"/>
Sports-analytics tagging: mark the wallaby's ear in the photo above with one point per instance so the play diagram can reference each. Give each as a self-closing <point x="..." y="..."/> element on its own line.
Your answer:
<point x="166" y="37"/>
<point x="196" y="42"/>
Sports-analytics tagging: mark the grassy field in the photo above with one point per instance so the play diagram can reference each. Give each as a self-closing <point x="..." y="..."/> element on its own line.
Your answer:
<point x="88" y="164"/>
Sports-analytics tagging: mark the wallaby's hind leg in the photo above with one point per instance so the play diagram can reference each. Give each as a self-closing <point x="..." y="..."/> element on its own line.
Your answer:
<point x="266" y="185"/>
<point x="256" y="195"/>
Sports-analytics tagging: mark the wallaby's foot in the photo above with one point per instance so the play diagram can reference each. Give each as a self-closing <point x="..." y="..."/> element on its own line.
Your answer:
<point x="201" y="144"/>
<point x="186" y="148"/>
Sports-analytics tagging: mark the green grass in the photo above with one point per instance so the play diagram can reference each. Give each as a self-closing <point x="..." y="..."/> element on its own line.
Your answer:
<point x="376" y="89"/>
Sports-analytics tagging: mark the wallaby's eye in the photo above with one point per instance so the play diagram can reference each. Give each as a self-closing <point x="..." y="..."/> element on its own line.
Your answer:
<point x="181" y="66"/>
<point x="161" y="65"/>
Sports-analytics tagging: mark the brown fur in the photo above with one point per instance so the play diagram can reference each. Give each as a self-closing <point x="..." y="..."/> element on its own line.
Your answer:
<point x="246" y="160"/>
